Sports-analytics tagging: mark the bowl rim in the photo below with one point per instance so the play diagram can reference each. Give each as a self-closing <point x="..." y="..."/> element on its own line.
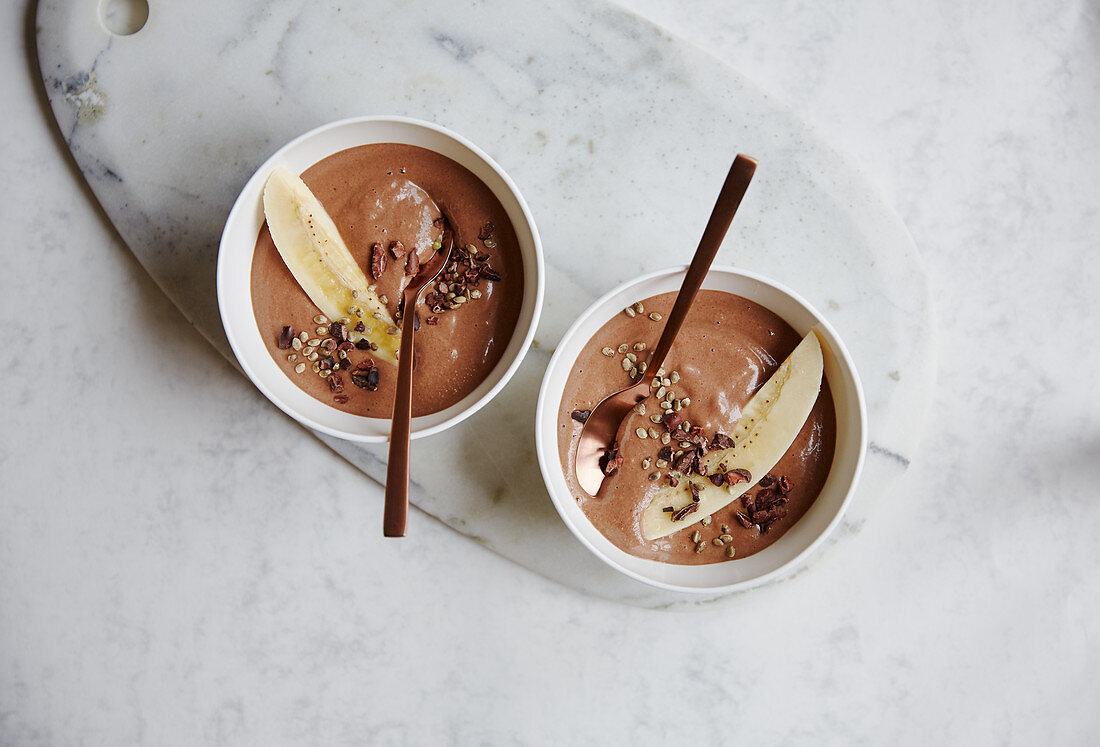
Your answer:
<point x="223" y="291"/>
<point x="549" y="461"/>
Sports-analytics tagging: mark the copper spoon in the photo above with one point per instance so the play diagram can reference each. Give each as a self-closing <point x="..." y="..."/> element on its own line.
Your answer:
<point x="602" y="426"/>
<point x="396" y="511"/>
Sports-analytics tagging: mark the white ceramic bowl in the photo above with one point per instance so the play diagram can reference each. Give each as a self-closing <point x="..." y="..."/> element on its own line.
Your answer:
<point x="785" y="554"/>
<point x="239" y="240"/>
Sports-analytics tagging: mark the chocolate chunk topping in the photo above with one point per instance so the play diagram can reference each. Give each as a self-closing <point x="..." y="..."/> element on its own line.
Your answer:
<point x="397" y="249"/>
<point x="285" y="337"/>
<point x="377" y="260"/>
<point x="581" y="416"/>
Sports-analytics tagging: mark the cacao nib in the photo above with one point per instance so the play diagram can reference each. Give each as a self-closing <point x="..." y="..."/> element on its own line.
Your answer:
<point x="735" y="476"/>
<point x="696" y="437"/>
<point x="432" y="321"/>
<point x="683" y="512"/>
<point x="345" y="346"/>
<point x="397" y="249"/>
<point x="744" y="519"/>
<point x="665" y="452"/>
<point x="668" y="509"/>
<point x="340" y="399"/>
<point x="338" y="331"/>
<point x="767" y="480"/>
<point x="366" y="376"/>
<point x="286" y="337"/>
<point x="717" y="479"/>
<point x="784" y="486"/>
<point x="611" y="459"/>
<point x="672" y="481"/>
<point x="721" y="441"/>
<point x="486" y="230"/>
<point x="412" y="265"/>
<point x="360" y="327"/>
<point x="327" y="363"/>
<point x="363" y="345"/>
<point x="377" y="260"/>
<point x="489" y="273"/>
<point x="672" y="420"/>
<point x="335" y="384"/>
<point x="581" y="416"/>
<point x="694" y="491"/>
<point x="683" y="464"/>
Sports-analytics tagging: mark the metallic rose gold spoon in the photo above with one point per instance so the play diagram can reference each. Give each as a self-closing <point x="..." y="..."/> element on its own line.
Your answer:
<point x="396" y="512"/>
<point x="606" y="418"/>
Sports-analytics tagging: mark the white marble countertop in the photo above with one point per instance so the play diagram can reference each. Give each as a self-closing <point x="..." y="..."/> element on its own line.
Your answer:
<point x="139" y="603"/>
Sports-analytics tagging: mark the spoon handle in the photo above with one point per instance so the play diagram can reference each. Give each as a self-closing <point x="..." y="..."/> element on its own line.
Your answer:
<point x="396" y="511"/>
<point x="729" y="199"/>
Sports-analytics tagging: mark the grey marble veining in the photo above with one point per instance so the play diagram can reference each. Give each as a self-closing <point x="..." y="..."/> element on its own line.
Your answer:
<point x="179" y="565"/>
<point x="576" y="101"/>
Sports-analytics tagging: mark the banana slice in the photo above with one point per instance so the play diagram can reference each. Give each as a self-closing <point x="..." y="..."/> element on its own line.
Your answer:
<point x="767" y="428"/>
<point x="310" y="244"/>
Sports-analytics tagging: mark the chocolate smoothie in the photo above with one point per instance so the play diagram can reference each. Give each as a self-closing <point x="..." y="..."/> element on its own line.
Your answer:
<point x="386" y="196"/>
<point x="728" y="347"/>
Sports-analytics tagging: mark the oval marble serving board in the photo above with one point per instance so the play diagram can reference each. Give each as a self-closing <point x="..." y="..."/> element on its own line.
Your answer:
<point x="618" y="135"/>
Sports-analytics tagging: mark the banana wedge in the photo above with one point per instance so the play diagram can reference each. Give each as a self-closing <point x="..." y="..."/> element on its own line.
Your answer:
<point x="767" y="428"/>
<point x="310" y="244"/>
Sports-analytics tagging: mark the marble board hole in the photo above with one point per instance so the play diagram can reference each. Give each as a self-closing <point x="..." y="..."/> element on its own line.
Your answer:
<point x="123" y="17"/>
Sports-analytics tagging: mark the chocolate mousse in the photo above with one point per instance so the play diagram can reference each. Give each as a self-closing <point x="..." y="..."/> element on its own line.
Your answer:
<point x="726" y="350"/>
<point x="388" y="202"/>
